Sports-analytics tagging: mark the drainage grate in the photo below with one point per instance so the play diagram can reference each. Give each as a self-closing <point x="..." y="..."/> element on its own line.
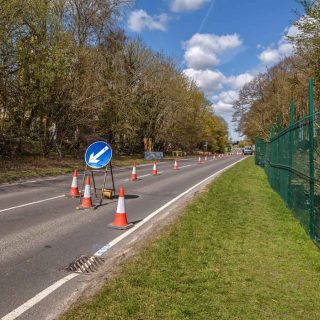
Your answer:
<point x="85" y="264"/>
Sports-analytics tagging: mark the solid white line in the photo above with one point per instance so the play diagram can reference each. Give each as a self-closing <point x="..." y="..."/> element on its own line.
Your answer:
<point x="40" y="296"/>
<point x="31" y="203"/>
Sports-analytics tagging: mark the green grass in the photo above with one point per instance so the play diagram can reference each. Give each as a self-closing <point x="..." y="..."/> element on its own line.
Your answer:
<point x="237" y="253"/>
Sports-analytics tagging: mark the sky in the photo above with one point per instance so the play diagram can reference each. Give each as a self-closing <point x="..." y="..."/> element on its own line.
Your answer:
<point x="220" y="44"/>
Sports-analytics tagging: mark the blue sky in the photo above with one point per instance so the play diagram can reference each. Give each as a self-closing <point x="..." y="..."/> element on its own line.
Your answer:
<point x="221" y="44"/>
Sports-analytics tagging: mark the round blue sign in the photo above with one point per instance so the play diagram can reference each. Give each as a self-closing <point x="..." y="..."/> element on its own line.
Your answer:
<point x="98" y="155"/>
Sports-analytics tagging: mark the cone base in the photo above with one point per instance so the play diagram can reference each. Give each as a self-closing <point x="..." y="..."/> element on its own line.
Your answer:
<point x="111" y="225"/>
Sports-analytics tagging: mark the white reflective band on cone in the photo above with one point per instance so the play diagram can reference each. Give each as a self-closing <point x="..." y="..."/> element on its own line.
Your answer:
<point x="121" y="208"/>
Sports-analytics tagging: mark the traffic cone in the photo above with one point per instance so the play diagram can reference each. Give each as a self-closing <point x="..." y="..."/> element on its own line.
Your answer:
<point x="154" y="169"/>
<point x="134" y="173"/>
<point x="214" y="157"/>
<point x="175" y="165"/>
<point x="120" y="219"/>
<point x="86" y="202"/>
<point x="206" y="158"/>
<point x="74" y="190"/>
<point x="200" y="161"/>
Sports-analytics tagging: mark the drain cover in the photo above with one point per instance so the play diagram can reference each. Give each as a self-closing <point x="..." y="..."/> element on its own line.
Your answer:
<point x="85" y="264"/>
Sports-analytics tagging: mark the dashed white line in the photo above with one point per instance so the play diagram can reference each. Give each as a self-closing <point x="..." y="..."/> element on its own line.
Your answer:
<point x="188" y="165"/>
<point x="31" y="203"/>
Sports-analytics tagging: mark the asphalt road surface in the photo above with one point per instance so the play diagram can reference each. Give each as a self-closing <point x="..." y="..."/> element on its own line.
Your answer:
<point x="42" y="232"/>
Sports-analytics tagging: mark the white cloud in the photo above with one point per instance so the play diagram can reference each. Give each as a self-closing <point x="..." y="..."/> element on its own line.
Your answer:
<point x="202" y="51"/>
<point x="272" y="55"/>
<point x="224" y="110"/>
<point x="187" y="5"/>
<point x="226" y="97"/>
<point x="237" y="82"/>
<point x="223" y="104"/>
<point x="208" y="80"/>
<point x="198" y="58"/>
<point x="140" y="20"/>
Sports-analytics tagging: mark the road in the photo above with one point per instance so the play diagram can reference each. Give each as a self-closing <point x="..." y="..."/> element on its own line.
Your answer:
<point x="42" y="232"/>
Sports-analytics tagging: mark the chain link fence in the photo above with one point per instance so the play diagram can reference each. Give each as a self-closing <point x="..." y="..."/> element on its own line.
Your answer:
<point x="291" y="160"/>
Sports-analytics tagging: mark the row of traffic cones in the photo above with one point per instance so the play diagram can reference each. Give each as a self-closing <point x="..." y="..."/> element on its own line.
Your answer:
<point x="74" y="189"/>
<point x="120" y="219"/>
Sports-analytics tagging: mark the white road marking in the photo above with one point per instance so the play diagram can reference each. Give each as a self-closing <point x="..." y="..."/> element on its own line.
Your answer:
<point x="40" y="296"/>
<point x="29" y="181"/>
<point x="149" y="174"/>
<point x="31" y="203"/>
<point x="189" y="165"/>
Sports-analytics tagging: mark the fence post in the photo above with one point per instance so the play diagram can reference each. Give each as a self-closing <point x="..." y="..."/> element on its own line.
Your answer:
<point x="278" y="123"/>
<point x="271" y="131"/>
<point x="290" y="154"/>
<point x="311" y="158"/>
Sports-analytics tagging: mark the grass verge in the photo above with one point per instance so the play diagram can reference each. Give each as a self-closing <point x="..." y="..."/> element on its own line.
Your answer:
<point x="237" y="253"/>
<point x="30" y="167"/>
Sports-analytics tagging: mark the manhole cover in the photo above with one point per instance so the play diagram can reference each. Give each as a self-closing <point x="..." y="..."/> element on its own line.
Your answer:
<point x="85" y="264"/>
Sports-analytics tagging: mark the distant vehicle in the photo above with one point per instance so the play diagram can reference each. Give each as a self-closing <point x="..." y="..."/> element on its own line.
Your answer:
<point x="247" y="150"/>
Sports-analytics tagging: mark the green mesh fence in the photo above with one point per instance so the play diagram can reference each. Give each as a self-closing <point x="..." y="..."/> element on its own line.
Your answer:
<point x="291" y="159"/>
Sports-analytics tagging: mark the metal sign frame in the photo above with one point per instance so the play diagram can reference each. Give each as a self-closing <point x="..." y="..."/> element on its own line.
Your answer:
<point x="89" y="171"/>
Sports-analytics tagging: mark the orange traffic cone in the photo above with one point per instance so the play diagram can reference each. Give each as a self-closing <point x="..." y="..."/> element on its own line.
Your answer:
<point x="74" y="190"/>
<point x="120" y="219"/>
<point x="175" y="165"/>
<point x="86" y="202"/>
<point x="134" y="173"/>
<point x="154" y="169"/>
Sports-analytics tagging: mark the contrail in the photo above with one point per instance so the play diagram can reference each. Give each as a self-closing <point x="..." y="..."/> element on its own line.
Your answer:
<point x="206" y="16"/>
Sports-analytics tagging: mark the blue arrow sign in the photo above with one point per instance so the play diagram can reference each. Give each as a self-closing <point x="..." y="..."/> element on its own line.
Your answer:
<point x="98" y="155"/>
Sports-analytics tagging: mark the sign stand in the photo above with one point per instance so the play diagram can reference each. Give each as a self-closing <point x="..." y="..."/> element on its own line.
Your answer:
<point x="91" y="172"/>
<point x="98" y="155"/>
